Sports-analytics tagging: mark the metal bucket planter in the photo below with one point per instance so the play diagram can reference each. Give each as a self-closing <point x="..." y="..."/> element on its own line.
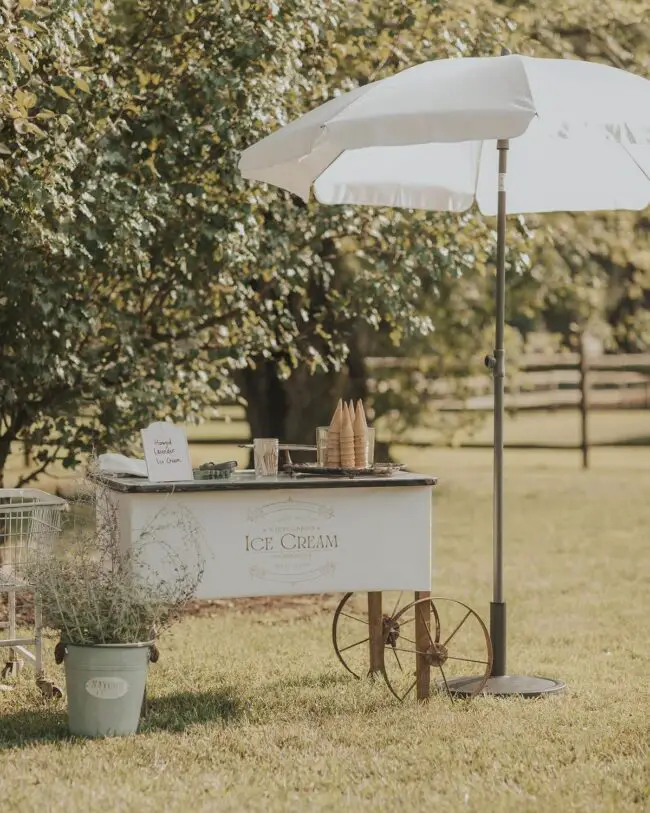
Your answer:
<point x="105" y="687"/>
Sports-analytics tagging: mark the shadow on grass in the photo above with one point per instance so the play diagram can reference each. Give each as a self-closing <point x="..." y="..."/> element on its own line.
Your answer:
<point x="179" y="710"/>
<point x="43" y="723"/>
<point x="173" y="712"/>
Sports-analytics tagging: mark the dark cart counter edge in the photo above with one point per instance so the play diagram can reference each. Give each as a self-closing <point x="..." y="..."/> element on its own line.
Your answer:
<point x="247" y="482"/>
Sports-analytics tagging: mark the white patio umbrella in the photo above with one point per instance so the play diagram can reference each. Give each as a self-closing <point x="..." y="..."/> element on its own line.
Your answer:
<point x="437" y="136"/>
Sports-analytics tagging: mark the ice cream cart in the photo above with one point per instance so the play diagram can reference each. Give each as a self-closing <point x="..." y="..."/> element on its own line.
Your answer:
<point x="368" y="537"/>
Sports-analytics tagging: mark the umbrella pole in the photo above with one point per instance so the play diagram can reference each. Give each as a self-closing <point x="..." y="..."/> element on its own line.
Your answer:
<point x="497" y="363"/>
<point x="500" y="683"/>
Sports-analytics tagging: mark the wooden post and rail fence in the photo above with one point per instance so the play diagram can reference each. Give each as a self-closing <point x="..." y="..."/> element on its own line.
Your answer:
<point x="537" y="382"/>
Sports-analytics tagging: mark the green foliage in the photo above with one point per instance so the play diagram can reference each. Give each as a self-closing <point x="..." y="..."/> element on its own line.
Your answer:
<point x="139" y="269"/>
<point x="125" y="245"/>
<point x="139" y="272"/>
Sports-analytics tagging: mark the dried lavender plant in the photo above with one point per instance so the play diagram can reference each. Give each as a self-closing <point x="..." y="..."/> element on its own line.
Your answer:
<point x="93" y="591"/>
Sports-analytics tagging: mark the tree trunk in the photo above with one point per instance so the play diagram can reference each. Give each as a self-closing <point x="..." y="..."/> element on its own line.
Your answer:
<point x="5" y="449"/>
<point x="291" y="409"/>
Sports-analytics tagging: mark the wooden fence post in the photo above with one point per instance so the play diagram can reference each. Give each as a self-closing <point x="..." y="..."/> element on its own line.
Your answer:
<point x="584" y="402"/>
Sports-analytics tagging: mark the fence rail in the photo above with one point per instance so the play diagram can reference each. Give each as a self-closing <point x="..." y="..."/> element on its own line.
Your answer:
<point x="537" y="382"/>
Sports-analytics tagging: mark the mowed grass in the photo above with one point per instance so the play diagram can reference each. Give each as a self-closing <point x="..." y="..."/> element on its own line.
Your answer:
<point x="251" y="712"/>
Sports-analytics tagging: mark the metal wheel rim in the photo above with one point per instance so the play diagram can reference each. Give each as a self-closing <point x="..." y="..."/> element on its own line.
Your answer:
<point x="437" y="639"/>
<point x="335" y="621"/>
<point x="340" y="611"/>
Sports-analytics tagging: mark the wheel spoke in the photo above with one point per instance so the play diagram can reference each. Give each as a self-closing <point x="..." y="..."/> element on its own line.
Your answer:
<point x="467" y="615"/>
<point x="467" y="660"/>
<point x="422" y="618"/>
<point x="354" y="618"/>
<point x="404" y="638"/>
<point x="397" y="659"/>
<point x="409" y="690"/>
<point x="399" y="598"/>
<point x="404" y="623"/>
<point x="410" y="651"/>
<point x="350" y="646"/>
<point x="442" y="672"/>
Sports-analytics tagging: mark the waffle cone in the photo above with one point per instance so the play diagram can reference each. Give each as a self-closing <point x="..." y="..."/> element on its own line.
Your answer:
<point x="347" y="439"/>
<point x="360" y="438"/>
<point x="360" y="411"/>
<point x="333" y="452"/>
<point x="334" y="437"/>
<point x="337" y="418"/>
<point x="347" y="455"/>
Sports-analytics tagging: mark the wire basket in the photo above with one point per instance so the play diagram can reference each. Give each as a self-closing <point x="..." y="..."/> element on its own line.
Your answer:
<point x="30" y="522"/>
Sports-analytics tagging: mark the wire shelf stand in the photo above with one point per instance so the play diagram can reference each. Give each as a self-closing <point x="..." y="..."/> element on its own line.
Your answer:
<point x="30" y="523"/>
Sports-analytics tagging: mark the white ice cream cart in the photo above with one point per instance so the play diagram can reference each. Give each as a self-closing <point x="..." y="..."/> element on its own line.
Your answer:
<point x="289" y="535"/>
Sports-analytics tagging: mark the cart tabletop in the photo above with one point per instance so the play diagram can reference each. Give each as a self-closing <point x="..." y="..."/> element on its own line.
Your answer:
<point x="246" y="481"/>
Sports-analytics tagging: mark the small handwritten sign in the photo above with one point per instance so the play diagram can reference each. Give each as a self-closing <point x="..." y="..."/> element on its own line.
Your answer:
<point x="167" y="453"/>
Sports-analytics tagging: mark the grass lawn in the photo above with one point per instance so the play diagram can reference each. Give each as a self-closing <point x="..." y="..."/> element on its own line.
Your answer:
<point x="251" y="712"/>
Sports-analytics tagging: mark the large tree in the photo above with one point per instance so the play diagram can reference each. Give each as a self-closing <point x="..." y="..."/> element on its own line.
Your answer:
<point x="139" y="271"/>
<point x="112" y="311"/>
<point x="130" y="281"/>
<point x="141" y="277"/>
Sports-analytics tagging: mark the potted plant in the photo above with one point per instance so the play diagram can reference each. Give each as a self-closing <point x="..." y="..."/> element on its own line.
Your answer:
<point x="107" y="607"/>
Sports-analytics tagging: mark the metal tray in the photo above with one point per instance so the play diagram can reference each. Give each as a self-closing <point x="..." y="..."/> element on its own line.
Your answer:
<point x="285" y="447"/>
<point x="313" y="469"/>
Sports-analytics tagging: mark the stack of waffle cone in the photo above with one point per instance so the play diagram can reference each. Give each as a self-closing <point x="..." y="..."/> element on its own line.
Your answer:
<point x="347" y="440"/>
<point x="360" y="437"/>
<point x="334" y="437"/>
<point x="347" y="437"/>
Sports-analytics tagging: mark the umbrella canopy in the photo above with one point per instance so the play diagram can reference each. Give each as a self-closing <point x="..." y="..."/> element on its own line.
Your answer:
<point x="426" y="137"/>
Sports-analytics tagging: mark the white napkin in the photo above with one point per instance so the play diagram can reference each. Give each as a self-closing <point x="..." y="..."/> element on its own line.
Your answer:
<point x="112" y="463"/>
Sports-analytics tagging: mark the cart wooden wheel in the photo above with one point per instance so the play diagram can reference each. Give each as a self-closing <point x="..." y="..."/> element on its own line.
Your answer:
<point x="439" y="639"/>
<point x="351" y="632"/>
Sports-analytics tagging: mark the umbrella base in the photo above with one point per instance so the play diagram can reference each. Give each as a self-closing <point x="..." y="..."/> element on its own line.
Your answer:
<point x="506" y="686"/>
